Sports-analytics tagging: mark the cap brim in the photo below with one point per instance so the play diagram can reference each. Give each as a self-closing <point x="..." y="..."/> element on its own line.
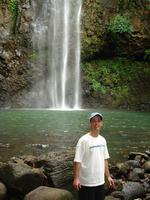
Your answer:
<point x="96" y="115"/>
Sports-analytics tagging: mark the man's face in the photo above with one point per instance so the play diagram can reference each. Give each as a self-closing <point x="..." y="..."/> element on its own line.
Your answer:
<point x="96" y="123"/>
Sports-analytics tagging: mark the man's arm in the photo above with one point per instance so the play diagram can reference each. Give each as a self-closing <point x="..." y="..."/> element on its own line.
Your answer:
<point x="76" y="170"/>
<point x="107" y="173"/>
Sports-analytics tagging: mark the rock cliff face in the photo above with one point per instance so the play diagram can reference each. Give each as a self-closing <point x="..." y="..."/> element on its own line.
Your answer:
<point x="97" y="40"/>
<point x="16" y="71"/>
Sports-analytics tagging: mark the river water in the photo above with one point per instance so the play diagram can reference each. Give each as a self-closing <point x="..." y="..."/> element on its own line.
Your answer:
<point x="25" y="131"/>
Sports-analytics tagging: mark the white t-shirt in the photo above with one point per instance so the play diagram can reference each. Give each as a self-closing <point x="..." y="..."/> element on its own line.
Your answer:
<point x="91" y="153"/>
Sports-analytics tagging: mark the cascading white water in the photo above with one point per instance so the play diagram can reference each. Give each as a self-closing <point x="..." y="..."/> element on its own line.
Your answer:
<point x="56" y="42"/>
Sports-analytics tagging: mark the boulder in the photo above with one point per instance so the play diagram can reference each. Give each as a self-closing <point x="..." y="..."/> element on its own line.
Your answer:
<point x="58" y="169"/>
<point x="139" y="172"/>
<point x="133" y="163"/>
<point x="118" y="194"/>
<point x="57" y="166"/>
<point x="132" y="155"/>
<point x="146" y="186"/>
<point x="147" y="196"/>
<point x="133" y="190"/>
<point x="136" y="174"/>
<point x="109" y="197"/>
<point x="147" y="152"/>
<point x="118" y="184"/>
<point x="35" y="161"/>
<point x="48" y="193"/>
<point x="3" y="191"/>
<point x="146" y="166"/>
<point x="21" y="177"/>
<point x="132" y="176"/>
<point x="120" y="170"/>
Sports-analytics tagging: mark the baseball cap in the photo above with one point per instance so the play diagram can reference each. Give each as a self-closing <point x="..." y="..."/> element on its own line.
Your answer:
<point x="95" y="114"/>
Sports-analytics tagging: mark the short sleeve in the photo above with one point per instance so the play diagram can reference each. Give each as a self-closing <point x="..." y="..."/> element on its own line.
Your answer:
<point x="79" y="151"/>
<point x="106" y="153"/>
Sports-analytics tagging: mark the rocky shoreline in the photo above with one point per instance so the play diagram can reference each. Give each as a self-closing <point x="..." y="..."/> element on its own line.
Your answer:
<point x="132" y="178"/>
<point x="50" y="177"/>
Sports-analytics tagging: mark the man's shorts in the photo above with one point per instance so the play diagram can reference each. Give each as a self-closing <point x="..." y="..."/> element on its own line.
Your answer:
<point x="91" y="193"/>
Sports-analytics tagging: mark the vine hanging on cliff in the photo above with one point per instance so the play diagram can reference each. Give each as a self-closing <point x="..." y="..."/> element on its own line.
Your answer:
<point x="13" y="7"/>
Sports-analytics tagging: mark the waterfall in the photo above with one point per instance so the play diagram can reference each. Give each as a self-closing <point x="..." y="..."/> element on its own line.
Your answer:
<point x="56" y="44"/>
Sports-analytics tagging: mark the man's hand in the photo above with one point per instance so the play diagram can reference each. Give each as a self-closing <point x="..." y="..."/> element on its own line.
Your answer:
<point x="111" y="182"/>
<point x="76" y="183"/>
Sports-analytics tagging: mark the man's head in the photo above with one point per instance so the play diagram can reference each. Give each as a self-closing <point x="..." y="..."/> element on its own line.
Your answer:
<point x="96" y="114"/>
<point x="96" y="121"/>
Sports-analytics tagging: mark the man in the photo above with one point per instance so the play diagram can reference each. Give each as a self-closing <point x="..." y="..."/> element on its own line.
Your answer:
<point x="90" y="162"/>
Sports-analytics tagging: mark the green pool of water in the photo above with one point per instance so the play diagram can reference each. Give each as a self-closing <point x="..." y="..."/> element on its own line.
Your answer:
<point x="125" y="131"/>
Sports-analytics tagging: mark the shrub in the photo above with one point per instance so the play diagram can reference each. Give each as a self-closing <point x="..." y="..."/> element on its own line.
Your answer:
<point x="147" y="54"/>
<point x="120" y="24"/>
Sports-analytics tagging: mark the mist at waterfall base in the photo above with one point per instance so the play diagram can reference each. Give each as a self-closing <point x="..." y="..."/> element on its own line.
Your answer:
<point x="56" y="45"/>
<point x="34" y="132"/>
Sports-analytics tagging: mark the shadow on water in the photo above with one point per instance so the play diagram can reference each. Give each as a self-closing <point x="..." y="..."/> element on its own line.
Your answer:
<point x="40" y="131"/>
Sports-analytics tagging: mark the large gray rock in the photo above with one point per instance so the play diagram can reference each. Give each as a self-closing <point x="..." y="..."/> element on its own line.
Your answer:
<point x="132" y="176"/>
<point x="133" y="163"/>
<point x="139" y="172"/>
<point x="118" y="194"/>
<point x="3" y="191"/>
<point x="133" y="190"/>
<point x="57" y="166"/>
<point x="146" y="166"/>
<point x="111" y="198"/>
<point x="136" y="174"/>
<point x="120" y="170"/>
<point x="147" y="152"/>
<point x="48" y="193"/>
<point x="21" y="177"/>
<point x="132" y="155"/>
<point x="147" y="196"/>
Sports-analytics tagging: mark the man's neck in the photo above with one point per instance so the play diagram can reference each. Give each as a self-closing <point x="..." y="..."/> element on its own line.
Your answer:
<point x="94" y="133"/>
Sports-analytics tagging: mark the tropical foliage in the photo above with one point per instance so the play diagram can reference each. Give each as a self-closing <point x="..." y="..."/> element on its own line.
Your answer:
<point x="120" y="24"/>
<point x="118" y="80"/>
